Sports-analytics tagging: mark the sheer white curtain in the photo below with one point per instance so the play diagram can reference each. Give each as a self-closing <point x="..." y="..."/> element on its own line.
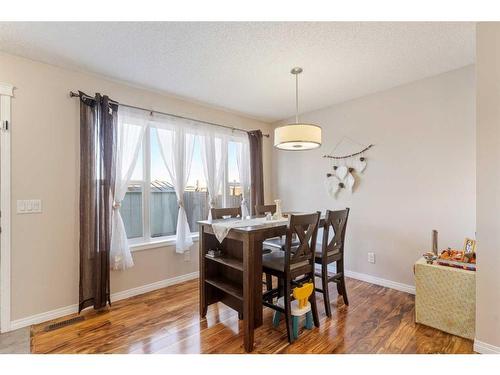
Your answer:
<point x="130" y="132"/>
<point x="214" y="156"/>
<point x="176" y="147"/>
<point x="243" y="160"/>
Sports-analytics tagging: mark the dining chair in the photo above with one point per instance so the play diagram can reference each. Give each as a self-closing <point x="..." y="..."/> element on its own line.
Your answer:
<point x="270" y="243"/>
<point x="290" y="265"/>
<point x="219" y="213"/>
<point x="262" y="209"/>
<point x="332" y="251"/>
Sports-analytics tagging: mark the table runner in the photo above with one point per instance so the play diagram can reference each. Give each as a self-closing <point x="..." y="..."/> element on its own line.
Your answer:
<point x="222" y="228"/>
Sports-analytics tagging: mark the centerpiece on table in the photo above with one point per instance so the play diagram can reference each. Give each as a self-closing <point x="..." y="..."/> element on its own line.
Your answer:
<point x="278" y="215"/>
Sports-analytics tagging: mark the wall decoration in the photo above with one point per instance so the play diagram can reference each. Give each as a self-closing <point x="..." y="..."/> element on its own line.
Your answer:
<point x="360" y="164"/>
<point x="333" y="185"/>
<point x="341" y="172"/>
<point x="345" y="169"/>
<point x="350" y="182"/>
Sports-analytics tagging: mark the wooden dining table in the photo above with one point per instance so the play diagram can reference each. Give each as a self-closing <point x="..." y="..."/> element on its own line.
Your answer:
<point x="235" y="277"/>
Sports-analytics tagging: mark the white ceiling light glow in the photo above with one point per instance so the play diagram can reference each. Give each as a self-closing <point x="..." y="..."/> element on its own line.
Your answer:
<point x="298" y="136"/>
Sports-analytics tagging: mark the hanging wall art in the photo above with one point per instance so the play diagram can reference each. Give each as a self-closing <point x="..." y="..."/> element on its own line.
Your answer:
<point x="345" y="170"/>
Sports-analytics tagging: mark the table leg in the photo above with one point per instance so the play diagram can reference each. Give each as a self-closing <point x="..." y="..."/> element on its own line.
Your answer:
<point x="258" y="307"/>
<point x="203" y="297"/>
<point x="249" y="291"/>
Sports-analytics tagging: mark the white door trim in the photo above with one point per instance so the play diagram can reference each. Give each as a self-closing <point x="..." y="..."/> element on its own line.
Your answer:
<point x="6" y="93"/>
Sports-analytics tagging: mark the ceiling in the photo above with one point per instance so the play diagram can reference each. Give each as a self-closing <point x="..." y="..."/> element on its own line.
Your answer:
<point x="244" y="66"/>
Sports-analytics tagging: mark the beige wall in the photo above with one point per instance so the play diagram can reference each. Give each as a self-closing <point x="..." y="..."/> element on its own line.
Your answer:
<point x="420" y="174"/>
<point x="488" y="183"/>
<point x="45" y="156"/>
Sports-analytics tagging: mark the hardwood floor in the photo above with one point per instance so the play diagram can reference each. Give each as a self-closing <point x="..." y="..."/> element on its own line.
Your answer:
<point x="378" y="320"/>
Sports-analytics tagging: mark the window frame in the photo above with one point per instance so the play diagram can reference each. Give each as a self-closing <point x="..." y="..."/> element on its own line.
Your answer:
<point x="147" y="241"/>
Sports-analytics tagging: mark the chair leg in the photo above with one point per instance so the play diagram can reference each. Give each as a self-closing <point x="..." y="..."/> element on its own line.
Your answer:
<point x="314" y="307"/>
<point x="280" y="287"/>
<point x="203" y="312"/>
<point x="295" y="326"/>
<point x="341" y="283"/>
<point x="269" y="282"/>
<point x="326" y="295"/>
<point x="344" y="291"/>
<point x="288" y="313"/>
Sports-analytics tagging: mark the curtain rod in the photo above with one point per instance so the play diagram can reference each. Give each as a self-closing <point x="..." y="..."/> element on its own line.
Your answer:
<point x="75" y="95"/>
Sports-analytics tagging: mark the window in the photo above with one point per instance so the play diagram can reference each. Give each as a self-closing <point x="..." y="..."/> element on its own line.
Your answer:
<point x="234" y="183"/>
<point x="131" y="209"/>
<point x="162" y="198"/>
<point x="150" y="209"/>
<point x="196" y="193"/>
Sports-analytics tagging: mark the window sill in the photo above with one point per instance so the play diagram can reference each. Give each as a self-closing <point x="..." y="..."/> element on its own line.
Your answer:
<point x="154" y="244"/>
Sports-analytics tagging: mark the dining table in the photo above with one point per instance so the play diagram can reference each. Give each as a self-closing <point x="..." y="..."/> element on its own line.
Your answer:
<point x="233" y="275"/>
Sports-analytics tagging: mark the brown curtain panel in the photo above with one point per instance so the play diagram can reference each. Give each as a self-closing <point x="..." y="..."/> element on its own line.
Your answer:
<point x="98" y="123"/>
<point x="256" y="169"/>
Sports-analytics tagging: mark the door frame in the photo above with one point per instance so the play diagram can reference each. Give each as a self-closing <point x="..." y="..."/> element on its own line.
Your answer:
<point x="6" y="93"/>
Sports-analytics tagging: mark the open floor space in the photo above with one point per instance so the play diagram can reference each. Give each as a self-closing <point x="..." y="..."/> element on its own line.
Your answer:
<point x="378" y="320"/>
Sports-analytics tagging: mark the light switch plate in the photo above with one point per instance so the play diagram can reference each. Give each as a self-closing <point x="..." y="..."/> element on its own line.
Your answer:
<point x="29" y="206"/>
<point x="20" y="206"/>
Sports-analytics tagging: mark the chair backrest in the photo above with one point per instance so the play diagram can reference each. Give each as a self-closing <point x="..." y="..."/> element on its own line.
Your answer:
<point x="336" y="221"/>
<point x="262" y="209"/>
<point x="305" y="229"/>
<point x="218" y="213"/>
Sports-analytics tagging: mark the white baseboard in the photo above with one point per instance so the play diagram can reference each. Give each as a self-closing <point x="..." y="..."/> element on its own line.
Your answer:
<point x="484" y="348"/>
<point x="375" y="280"/>
<point x="382" y="282"/>
<point x="67" y="310"/>
<point x="43" y="317"/>
<point x="153" y="286"/>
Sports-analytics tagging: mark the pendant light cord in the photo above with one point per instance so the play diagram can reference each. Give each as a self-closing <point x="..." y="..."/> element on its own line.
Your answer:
<point x="296" y="98"/>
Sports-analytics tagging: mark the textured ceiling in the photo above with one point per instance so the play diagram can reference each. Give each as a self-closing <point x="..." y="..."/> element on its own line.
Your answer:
<point x="245" y="66"/>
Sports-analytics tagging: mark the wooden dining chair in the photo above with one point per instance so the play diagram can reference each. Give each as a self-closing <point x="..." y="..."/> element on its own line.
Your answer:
<point x="332" y="251"/>
<point x="270" y="243"/>
<point x="290" y="265"/>
<point x="219" y="213"/>
<point x="262" y="209"/>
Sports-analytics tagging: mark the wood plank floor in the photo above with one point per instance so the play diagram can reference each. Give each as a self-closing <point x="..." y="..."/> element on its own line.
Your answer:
<point x="378" y="320"/>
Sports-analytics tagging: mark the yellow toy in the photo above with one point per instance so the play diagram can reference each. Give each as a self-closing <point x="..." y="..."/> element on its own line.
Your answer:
<point x="299" y="307"/>
<point x="302" y="294"/>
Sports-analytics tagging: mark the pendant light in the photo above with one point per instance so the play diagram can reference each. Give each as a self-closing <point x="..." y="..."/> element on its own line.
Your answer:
<point x="298" y="136"/>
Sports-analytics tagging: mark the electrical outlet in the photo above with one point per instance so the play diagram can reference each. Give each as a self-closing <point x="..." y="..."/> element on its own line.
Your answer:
<point x="371" y="257"/>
